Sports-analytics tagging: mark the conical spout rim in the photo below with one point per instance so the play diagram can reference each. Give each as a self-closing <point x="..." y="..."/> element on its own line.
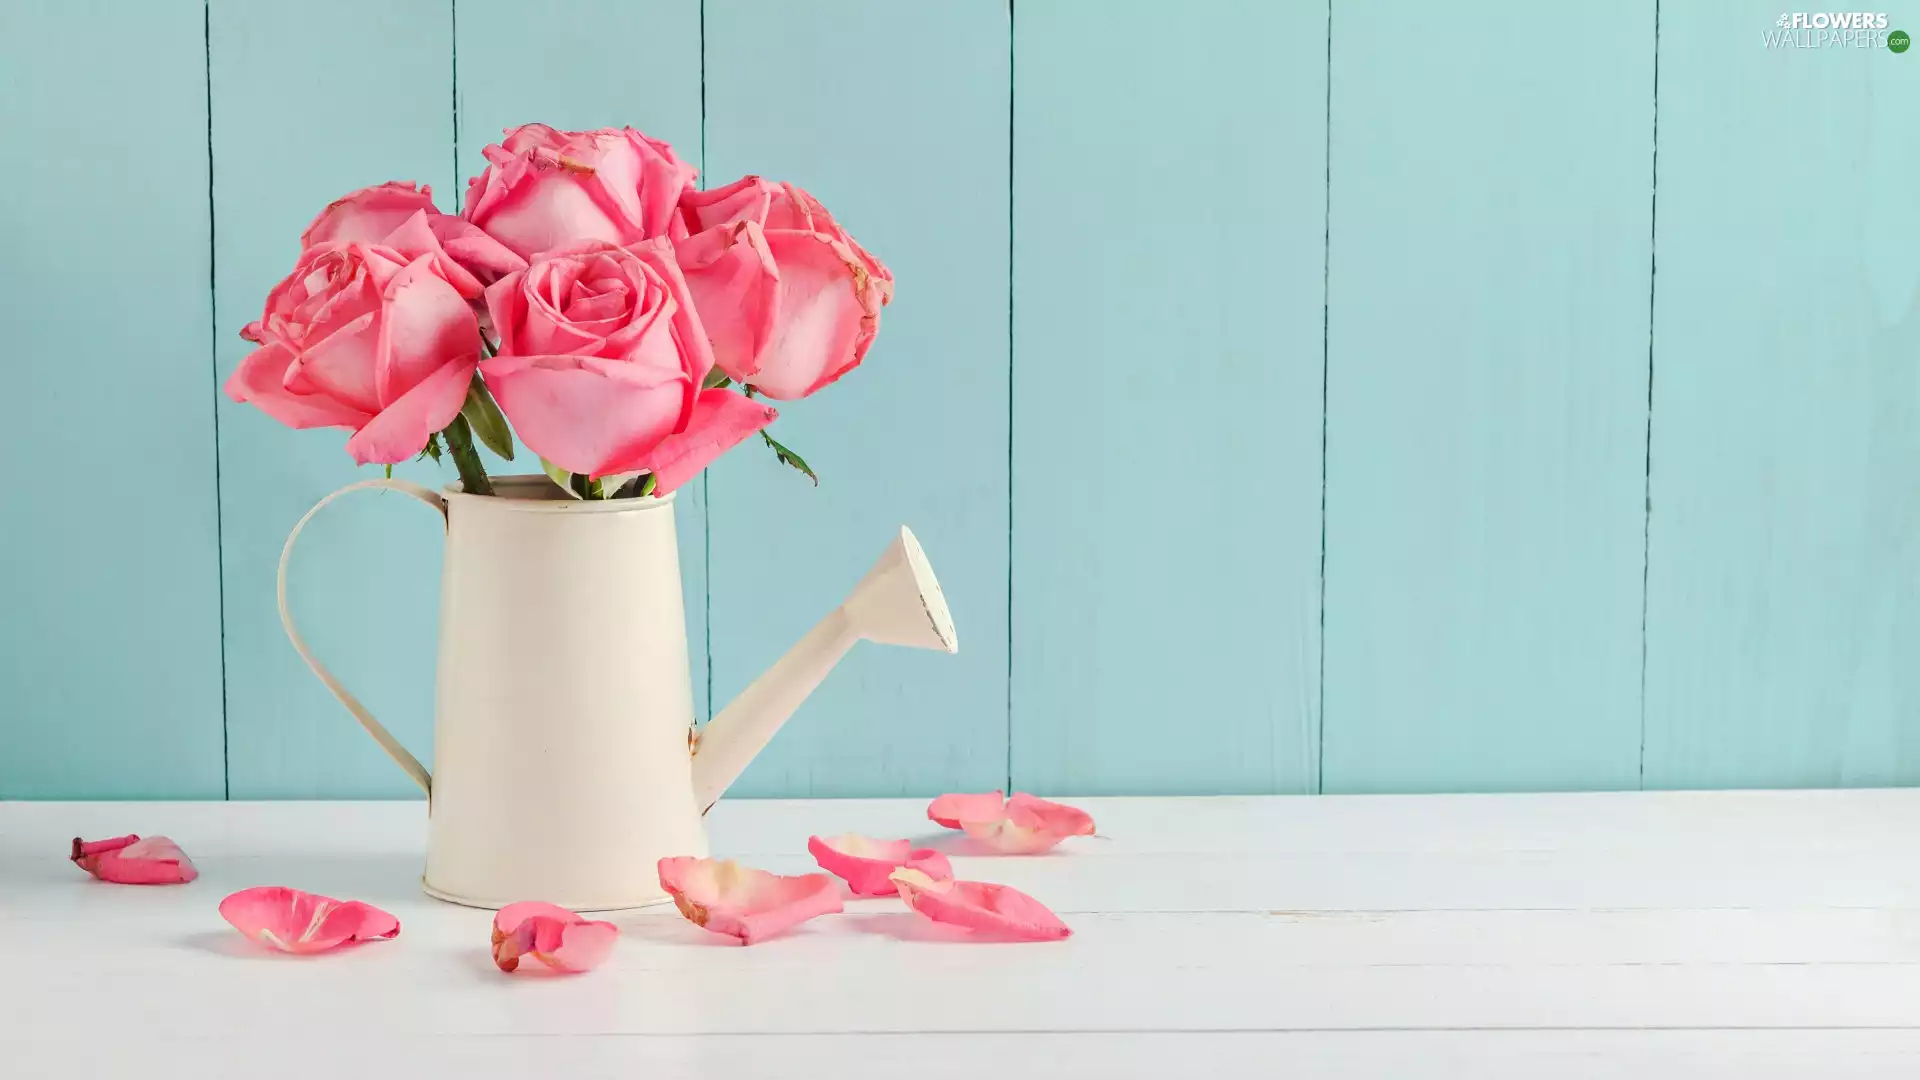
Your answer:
<point x="931" y="597"/>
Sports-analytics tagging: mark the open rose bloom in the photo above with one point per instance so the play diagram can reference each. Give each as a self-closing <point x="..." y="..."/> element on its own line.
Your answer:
<point x="590" y="300"/>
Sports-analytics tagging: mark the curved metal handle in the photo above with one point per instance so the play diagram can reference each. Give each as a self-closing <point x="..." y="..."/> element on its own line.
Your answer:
<point x="374" y="728"/>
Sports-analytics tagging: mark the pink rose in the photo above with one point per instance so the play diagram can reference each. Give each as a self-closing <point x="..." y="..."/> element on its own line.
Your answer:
<point x="601" y="361"/>
<point x="791" y="301"/>
<point x="405" y="219"/>
<point x="545" y="189"/>
<point x="358" y="337"/>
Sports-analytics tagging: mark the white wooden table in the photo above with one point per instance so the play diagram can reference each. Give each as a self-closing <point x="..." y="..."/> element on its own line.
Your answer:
<point x="1553" y="936"/>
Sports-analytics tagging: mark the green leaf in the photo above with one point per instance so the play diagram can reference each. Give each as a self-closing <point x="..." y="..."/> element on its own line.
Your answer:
<point x="788" y="457"/>
<point x="613" y="484"/>
<point x="488" y="422"/>
<point x="647" y="484"/>
<point x="389" y="472"/>
<point x="433" y="447"/>
<point x="715" y="380"/>
<point x="582" y="487"/>
<point x="559" y="476"/>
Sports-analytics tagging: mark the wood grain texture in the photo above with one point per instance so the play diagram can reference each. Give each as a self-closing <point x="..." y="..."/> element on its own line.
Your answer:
<point x="306" y="109"/>
<point x="109" y="564"/>
<point x="587" y="81"/>
<point x="1053" y="1055"/>
<point x="1690" y="1054"/>
<point x="1783" y="608"/>
<point x="1672" y="935"/>
<point x="895" y="116"/>
<point x="1486" y="406"/>
<point x="1169" y="214"/>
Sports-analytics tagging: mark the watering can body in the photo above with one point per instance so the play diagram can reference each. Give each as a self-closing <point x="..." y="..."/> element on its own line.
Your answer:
<point x="565" y="759"/>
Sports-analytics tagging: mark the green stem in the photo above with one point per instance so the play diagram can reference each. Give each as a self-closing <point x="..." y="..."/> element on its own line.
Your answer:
<point x="473" y="474"/>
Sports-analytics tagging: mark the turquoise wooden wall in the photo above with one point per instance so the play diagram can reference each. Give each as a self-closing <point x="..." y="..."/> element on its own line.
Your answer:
<point x="1357" y="396"/>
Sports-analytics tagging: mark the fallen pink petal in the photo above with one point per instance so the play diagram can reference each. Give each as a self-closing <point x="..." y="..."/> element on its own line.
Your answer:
<point x="302" y="922"/>
<point x="953" y="811"/>
<point x="865" y="863"/>
<point x="130" y="860"/>
<point x="742" y="902"/>
<point x="560" y="939"/>
<point x="998" y="911"/>
<point x="1022" y="825"/>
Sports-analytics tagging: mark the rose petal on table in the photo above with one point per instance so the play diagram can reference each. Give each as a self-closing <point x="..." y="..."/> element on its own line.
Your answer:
<point x="952" y="811"/>
<point x="1022" y="825"/>
<point x="129" y="860"/>
<point x="999" y="911"/>
<point x="302" y="922"/>
<point x="864" y="863"/>
<point x="748" y="904"/>
<point x="558" y="938"/>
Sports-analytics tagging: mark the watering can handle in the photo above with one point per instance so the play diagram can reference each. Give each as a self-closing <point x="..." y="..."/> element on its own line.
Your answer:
<point x="374" y="728"/>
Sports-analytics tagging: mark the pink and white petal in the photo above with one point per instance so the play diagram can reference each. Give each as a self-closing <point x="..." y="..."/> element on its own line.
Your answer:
<point x="1005" y="838"/>
<point x="573" y="413"/>
<point x="746" y="199"/>
<point x="401" y="429"/>
<point x="721" y="419"/>
<point x="735" y="287"/>
<point x="1043" y="815"/>
<point x="562" y="940"/>
<point x="473" y="249"/>
<point x="751" y="905"/>
<point x="417" y="239"/>
<point x="130" y="860"/>
<point x="822" y="314"/>
<point x="865" y="863"/>
<point x="539" y="217"/>
<point x="952" y="811"/>
<point x="428" y="326"/>
<point x="368" y="215"/>
<point x="999" y="911"/>
<point x="261" y="380"/>
<point x="341" y="365"/>
<point x="1022" y="825"/>
<point x="301" y="922"/>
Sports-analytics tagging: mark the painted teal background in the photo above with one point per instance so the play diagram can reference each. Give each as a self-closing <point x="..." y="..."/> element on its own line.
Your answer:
<point x="1353" y="396"/>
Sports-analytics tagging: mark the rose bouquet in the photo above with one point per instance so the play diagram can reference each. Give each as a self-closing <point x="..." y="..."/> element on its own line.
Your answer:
<point x="624" y="324"/>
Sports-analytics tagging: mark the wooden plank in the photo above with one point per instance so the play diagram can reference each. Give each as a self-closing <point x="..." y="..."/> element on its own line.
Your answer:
<point x="306" y="109"/>
<point x="109" y="563"/>
<point x="1056" y="1055"/>
<point x="1681" y="931"/>
<point x="1754" y="826"/>
<point x="1783" y="607"/>
<point x="895" y="116"/>
<point x="1354" y="1055"/>
<point x="1487" y="396"/>
<point x="589" y="81"/>
<point x="1168" y="270"/>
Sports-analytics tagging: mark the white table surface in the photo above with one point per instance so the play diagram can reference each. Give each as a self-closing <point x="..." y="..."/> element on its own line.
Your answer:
<point x="1648" y="935"/>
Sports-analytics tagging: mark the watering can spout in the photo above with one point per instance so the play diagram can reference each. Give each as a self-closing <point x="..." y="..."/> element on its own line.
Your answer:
<point x="897" y="603"/>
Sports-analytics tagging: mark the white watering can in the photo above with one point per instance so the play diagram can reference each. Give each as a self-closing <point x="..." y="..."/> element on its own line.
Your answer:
<point x="566" y="764"/>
